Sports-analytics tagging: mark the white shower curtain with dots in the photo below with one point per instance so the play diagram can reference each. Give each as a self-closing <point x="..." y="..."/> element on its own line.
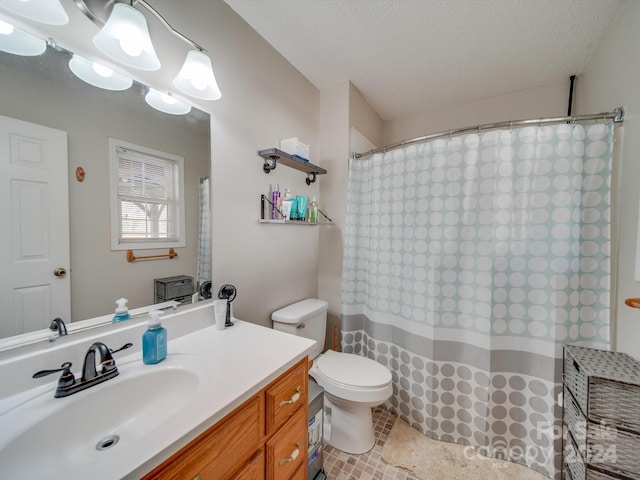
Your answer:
<point x="204" y="233"/>
<point x="468" y="263"/>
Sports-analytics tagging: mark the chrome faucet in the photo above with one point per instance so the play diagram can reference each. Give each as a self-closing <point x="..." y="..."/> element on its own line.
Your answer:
<point x="68" y="385"/>
<point x="58" y="325"/>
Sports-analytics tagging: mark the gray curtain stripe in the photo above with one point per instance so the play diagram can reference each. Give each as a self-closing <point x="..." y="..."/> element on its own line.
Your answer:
<point x="511" y="361"/>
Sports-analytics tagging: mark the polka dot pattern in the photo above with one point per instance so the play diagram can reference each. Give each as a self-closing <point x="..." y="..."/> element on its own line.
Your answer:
<point x="483" y="239"/>
<point x="502" y="234"/>
<point x="502" y="415"/>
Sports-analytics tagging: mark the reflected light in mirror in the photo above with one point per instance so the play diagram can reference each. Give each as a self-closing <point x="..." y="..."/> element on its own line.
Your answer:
<point x="125" y="38"/>
<point x="17" y="42"/>
<point x="98" y="75"/>
<point x="49" y="11"/>
<point x="166" y="103"/>
<point x="196" y="77"/>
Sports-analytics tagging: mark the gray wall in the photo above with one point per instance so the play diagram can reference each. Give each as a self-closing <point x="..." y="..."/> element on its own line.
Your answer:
<point x="612" y="79"/>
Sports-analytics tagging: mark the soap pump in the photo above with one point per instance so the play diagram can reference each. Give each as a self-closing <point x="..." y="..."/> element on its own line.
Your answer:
<point x="154" y="340"/>
<point x="122" y="312"/>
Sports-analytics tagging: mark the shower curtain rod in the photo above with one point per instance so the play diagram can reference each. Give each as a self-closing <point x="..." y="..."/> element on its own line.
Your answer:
<point x="617" y="116"/>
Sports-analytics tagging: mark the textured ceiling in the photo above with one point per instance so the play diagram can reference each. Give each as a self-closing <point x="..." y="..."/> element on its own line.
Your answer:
<point x="409" y="56"/>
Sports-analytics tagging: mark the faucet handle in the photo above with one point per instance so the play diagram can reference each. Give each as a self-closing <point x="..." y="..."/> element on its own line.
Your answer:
<point x="107" y="361"/>
<point x="66" y="379"/>
<point x="124" y="347"/>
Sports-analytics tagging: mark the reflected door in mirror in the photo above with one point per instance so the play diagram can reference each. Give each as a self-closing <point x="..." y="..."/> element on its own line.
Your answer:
<point x="34" y="217"/>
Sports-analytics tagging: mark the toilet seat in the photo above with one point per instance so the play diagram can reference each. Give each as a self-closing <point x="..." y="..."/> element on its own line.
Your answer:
<point x="353" y="370"/>
<point x="351" y="377"/>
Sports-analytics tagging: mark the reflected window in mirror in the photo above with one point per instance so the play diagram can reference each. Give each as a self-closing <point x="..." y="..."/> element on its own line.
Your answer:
<point x="147" y="204"/>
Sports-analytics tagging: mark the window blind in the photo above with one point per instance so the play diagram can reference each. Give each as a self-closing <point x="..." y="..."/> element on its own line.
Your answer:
<point x="148" y="197"/>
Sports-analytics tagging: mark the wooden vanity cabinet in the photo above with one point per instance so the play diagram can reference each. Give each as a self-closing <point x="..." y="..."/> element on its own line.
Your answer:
<point x="285" y="396"/>
<point x="264" y="438"/>
<point x="287" y="447"/>
<point x="253" y="469"/>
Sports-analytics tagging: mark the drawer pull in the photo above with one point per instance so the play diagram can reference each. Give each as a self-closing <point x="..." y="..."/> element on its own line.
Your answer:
<point x="293" y="456"/>
<point x="197" y="477"/>
<point x="293" y="399"/>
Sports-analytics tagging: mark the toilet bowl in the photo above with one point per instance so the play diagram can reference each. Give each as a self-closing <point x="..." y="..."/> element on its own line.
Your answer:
<point x="352" y="384"/>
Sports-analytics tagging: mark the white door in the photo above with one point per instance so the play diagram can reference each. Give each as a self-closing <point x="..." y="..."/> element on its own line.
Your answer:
<point x="34" y="227"/>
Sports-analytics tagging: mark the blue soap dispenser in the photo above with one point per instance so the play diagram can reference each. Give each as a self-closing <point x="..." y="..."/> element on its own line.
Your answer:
<point x="154" y="340"/>
<point x="122" y="312"/>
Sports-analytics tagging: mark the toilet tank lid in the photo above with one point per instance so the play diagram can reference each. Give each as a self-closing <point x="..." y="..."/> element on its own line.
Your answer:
<point x="300" y="311"/>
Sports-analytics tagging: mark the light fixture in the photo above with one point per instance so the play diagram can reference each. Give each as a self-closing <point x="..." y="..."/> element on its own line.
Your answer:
<point x="43" y="11"/>
<point x="166" y="103"/>
<point x="98" y="75"/>
<point x="17" y="42"/>
<point x="196" y="77"/>
<point x="124" y="37"/>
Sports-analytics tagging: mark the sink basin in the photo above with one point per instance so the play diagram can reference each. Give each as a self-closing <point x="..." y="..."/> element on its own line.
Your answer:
<point x="46" y="435"/>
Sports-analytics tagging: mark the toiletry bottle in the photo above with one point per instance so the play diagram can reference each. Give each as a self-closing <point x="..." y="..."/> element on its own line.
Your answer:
<point x="294" y="208"/>
<point x="267" y="205"/>
<point x="122" y="312"/>
<point x="154" y="340"/>
<point x="275" y="195"/>
<point x="302" y="207"/>
<point x="313" y="210"/>
<point x="279" y="210"/>
<point x="286" y="205"/>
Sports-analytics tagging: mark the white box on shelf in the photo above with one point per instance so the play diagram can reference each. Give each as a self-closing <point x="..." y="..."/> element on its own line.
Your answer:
<point x="294" y="147"/>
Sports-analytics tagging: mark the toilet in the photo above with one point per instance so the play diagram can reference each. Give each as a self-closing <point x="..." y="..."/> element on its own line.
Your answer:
<point x="352" y="384"/>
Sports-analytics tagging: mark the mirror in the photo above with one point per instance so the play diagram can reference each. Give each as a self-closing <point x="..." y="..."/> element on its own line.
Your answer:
<point x="42" y="90"/>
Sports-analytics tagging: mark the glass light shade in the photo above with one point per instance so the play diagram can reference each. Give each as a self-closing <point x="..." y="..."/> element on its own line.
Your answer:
<point x="125" y="38"/>
<point x="18" y="42"/>
<point x="166" y="103"/>
<point x="196" y="77"/>
<point x="50" y="12"/>
<point x="98" y="75"/>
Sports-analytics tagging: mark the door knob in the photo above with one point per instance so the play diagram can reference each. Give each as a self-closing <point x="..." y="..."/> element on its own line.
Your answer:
<point x="60" y="272"/>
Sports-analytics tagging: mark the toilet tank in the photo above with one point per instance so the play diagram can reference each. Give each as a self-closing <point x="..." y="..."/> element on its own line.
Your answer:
<point x="307" y="318"/>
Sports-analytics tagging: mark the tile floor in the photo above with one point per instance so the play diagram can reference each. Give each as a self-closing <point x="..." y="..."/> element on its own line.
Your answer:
<point x="368" y="466"/>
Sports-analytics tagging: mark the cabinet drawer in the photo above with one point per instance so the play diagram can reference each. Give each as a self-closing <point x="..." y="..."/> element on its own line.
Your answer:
<point x="218" y="451"/>
<point x="574" y="467"/>
<point x="300" y="474"/>
<point x="286" y="396"/>
<point x="605" y="385"/>
<point x="287" y="449"/>
<point x="253" y="469"/>
<point x="599" y="444"/>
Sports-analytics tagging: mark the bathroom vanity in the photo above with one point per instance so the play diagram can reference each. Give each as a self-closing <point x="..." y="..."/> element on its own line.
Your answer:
<point x="265" y="437"/>
<point x="224" y="404"/>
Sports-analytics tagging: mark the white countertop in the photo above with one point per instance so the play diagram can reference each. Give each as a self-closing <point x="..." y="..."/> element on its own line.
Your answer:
<point x="244" y="359"/>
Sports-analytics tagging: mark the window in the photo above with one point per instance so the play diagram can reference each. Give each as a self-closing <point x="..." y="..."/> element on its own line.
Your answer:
<point x="147" y="201"/>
